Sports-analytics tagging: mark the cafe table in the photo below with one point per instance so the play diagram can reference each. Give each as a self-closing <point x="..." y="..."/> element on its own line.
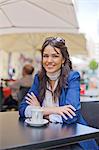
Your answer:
<point x="15" y="134"/>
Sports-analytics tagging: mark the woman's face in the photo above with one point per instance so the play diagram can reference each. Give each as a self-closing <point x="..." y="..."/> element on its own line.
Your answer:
<point x="52" y="59"/>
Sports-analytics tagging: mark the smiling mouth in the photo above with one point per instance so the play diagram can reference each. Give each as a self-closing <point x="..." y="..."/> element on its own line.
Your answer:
<point x="50" y="66"/>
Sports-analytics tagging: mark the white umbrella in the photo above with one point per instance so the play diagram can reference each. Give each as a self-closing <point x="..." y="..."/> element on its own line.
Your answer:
<point x="32" y="18"/>
<point x="37" y="16"/>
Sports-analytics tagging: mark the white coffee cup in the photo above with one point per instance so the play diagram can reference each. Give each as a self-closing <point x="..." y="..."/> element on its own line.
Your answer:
<point x="37" y="115"/>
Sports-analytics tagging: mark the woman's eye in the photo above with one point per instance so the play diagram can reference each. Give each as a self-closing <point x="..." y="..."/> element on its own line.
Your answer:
<point x="45" y="56"/>
<point x="55" y="56"/>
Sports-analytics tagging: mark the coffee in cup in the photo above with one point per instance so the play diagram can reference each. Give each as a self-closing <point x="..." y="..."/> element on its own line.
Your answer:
<point x="37" y="115"/>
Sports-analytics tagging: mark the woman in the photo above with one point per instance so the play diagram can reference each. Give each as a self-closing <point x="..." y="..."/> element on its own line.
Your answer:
<point x="56" y="88"/>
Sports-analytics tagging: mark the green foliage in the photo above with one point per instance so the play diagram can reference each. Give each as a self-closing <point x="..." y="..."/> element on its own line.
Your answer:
<point x="93" y="65"/>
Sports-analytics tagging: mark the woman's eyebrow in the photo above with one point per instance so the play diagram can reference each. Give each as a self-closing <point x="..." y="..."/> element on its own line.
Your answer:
<point x="52" y="54"/>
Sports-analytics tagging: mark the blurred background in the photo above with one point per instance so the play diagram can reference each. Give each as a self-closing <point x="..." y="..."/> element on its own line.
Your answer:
<point x="25" y="24"/>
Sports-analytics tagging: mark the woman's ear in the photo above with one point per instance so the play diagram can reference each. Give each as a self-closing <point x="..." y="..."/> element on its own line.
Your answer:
<point x="63" y="61"/>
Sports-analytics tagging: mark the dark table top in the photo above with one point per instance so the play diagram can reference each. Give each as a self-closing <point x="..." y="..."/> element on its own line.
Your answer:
<point x="16" y="134"/>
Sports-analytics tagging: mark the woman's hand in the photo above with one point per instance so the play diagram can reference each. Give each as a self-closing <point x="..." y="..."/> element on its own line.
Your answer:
<point x="32" y="100"/>
<point x="68" y="110"/>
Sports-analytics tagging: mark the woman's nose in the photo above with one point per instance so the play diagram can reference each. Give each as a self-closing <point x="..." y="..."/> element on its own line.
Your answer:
<point x="49" y="59"/>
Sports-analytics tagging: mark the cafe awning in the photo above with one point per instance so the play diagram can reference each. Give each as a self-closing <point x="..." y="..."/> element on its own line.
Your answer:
<point x="24" y="24"/>
<point x="37" y="16"/>
<point x="33" y="41"/>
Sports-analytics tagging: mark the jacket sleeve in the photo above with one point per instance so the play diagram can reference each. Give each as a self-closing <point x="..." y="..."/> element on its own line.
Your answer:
<point x="34" y="89"/>
<point x="72" y="95"/>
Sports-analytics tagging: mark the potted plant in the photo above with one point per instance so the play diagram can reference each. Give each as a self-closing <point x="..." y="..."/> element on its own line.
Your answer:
<point x="93" y="65"/>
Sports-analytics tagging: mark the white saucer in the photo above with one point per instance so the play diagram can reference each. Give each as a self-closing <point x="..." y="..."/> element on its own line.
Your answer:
<point x="28" y="121"/>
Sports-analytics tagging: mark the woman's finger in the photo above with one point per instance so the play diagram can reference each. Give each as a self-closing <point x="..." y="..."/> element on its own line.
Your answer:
<point x="71" y="111"/>
<point x="70" y="106"/>
<point x="30" y="96"/>
<point x="29" y="99"/>
<point x="29" y="103"/>
<point x="68" y="114"/>
<point x="63" y="115"/>
<point x="33" y="94"/>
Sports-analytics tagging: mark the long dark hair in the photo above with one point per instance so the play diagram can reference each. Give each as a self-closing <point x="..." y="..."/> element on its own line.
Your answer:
<point x="55" y="42"/>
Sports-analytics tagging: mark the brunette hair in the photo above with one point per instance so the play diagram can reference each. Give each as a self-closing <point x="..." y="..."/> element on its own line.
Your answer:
<point x="55" y="42"/>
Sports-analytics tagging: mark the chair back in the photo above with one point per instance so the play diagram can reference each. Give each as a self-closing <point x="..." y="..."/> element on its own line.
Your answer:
<point x="22" y="92"/>
<point x="1" y="97"/>
<point x="90" y="112"/>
